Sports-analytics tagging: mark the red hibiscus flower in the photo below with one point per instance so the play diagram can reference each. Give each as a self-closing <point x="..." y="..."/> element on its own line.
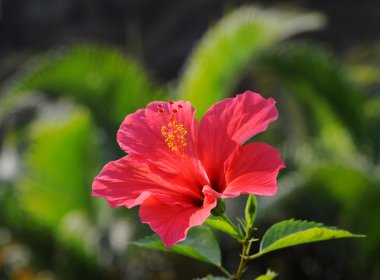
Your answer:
<point x="177" y="167"/>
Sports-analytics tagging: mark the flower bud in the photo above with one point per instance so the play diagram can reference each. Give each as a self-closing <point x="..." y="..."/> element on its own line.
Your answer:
<point x="219" y="208"/>
<point x="250" y="210"/>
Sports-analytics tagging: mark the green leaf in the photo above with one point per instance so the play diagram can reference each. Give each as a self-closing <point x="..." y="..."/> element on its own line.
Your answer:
<point x="250" y="211"/>
<point x="59" y="165"/>
<point x="200" y="244"/>
<point x="267" y="276"/>
<point x="110" y="83"/>
<point x="301" y="66"/>
<point x="224" y="53"/>
<point x="221" y="224"/>
<point x="293" y="232"/>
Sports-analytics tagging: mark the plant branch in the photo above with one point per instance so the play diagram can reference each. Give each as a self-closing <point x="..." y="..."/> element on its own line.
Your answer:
<point x="248" y="224"/>
<point x="244" y="259"/>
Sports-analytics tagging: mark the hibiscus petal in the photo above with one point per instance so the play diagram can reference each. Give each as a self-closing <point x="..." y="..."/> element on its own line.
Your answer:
<point x="241" y="117"/>
<point x="253" y="169"/>
<point x="128" y="182"/>
<point x="140" y="134"/>
<point x="230" y="123"/>
<point x="172" y="223"/>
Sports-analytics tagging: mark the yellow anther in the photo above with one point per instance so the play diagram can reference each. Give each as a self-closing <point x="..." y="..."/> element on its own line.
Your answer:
<point x="174" y="134"/>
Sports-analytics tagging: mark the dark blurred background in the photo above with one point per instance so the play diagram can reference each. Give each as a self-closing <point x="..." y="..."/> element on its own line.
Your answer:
<point x="71" y="70"/>
<point x="160" y="34"/>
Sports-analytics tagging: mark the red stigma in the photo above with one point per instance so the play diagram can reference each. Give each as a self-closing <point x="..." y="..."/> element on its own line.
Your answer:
<point x="169" y="111"/>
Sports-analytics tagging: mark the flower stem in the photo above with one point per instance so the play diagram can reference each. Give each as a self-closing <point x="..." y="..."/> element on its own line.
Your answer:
<point x="247" y="236"/>
<point x="243" y="259"/>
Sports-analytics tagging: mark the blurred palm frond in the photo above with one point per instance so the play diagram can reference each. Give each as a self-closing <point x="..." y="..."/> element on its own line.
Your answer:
<point x="222" y="56"/>
<point x="102" y="78"/>
<point x="60" y="162"/>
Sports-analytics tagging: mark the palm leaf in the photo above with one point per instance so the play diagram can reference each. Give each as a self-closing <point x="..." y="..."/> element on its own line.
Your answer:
<point x="104" y="79"/>
<point x="223" y="54"/>
<point x="312" y="65"/>
<point x="54" y="190"/>
<point x="320" y="104"/>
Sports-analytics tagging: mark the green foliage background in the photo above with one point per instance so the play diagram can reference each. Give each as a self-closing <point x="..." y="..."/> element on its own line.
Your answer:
<point x="77" y="96"/>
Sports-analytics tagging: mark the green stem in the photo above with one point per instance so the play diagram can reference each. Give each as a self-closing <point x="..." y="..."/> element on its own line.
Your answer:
<point x="247" y="239"/>
<point x="243" y="259"/>
<point x="252" y="257"/>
